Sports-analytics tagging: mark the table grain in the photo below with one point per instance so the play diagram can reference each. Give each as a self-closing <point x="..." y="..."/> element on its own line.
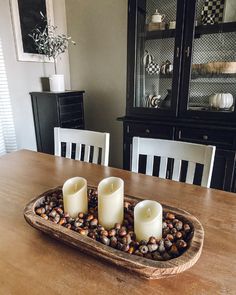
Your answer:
<point x="33" y="263"/>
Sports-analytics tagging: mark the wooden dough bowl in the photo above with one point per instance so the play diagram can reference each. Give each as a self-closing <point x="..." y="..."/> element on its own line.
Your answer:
<point x="143" y="267"/>
<point x="214" y="68"/>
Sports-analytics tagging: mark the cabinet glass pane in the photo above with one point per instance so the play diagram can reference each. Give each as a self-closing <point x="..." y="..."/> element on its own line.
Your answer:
<point x="155" y="53"/>
<point x="213" y="76"/>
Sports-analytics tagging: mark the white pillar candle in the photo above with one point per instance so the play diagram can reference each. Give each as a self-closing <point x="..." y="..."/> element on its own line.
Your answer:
<point x="110" y="201"/>
<point x="75" y="197"/>
<point x="148" y="220"/>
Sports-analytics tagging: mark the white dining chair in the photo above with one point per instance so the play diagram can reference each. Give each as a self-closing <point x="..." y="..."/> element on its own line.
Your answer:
<point x="178" y="151"/>
<point x="88" y="145"/>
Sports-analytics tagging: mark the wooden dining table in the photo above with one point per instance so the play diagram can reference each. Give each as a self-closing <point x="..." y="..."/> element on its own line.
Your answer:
<point x="34" y="263"/>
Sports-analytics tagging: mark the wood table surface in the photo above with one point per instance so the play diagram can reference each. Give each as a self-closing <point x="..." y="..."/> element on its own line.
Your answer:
<point x="33" y="263"/>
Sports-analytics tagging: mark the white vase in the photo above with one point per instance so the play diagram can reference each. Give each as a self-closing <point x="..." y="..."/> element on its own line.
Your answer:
<point x="57" y="83"/>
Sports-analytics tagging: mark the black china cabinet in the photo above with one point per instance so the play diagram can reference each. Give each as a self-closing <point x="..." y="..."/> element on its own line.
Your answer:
<point x="181" y="78"/>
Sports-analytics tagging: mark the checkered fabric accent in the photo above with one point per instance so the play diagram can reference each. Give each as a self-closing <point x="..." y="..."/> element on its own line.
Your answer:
<point x="212" y="11"/>
<point x="153" y="68"/>
<point x="208" y="19"/>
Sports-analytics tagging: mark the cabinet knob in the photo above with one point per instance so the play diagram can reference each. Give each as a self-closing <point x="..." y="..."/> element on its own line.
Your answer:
<point x="147" y="130"/>
<point x="205" y="137"/>
<point x="177" y="52"/>
<point x="187" y="51"/>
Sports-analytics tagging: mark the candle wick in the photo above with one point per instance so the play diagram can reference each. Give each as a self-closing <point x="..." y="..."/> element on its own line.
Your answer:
<point x="112" y="187"/>
<point x="149" y="212"/>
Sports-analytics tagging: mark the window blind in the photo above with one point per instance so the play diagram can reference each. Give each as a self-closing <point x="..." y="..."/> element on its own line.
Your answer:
<point x="7" y="130"/>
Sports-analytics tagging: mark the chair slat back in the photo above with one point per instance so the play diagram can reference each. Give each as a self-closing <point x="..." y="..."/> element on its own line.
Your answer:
<point x="86" y="142"/>
<point x="78" y="151"/>
<point x="163" y="167"/>
<point x="149" y="166"/>
<point x="177" y="169"/>
<point x="190" y="172"/>
<point x="178" y="152"/>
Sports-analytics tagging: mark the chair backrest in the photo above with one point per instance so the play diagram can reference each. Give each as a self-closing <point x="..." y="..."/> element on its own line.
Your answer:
<point x="86" y="145"/>
<point x="178" y="151"/>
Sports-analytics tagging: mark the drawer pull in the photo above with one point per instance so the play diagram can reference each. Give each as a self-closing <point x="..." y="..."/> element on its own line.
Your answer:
<point x="177" y="52"/>
<point x="187" y="51"/>
<point x="147" y="130"/>
<point x="205" y="137"/>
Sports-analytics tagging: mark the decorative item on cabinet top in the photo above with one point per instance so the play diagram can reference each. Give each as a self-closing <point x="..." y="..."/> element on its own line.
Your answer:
<point x="49" y="43"/>
<point x="172" y="25"/>
<point x="214" y="68"/>
<point x="212" y="12"/>
<point x="151" y="67"/>
<point x="157" y="17"/>
<point x="166" y="68"/>
<point x="156" y="22"/>
<point x="153" y="101"/>
<point x="221" y="101"/>
<point x="156" y="101"/>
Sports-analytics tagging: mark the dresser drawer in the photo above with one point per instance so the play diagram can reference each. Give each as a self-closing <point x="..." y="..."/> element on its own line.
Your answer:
<point x="75" y="124"/>
<point x="224" y="139"/>
<point x="71" y="108"/>
<point x="148" y="130"/>
<point x="71" y="116"/>
<point x="70" y="100"/>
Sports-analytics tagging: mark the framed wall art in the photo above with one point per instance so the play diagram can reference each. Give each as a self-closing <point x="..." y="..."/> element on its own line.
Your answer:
<point x="26" y="14"/>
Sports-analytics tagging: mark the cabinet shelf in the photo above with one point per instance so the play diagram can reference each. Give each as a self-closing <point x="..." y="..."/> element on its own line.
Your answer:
<point x="213" y="76"/>
<point x="199" y="30"/>
<point x="160" y="34"/>
<point x="208" y="109"/>
<point x="198" y="77"/>
<point x="214" y="29"/>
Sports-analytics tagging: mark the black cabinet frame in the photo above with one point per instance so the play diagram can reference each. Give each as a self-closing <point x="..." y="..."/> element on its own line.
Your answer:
<point x="135" y="8"/>
<point x="179" y="123"/>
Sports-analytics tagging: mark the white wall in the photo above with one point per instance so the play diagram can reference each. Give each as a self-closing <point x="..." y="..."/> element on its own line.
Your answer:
<point x="98" y="64"/>
<point x="24" y="77"/>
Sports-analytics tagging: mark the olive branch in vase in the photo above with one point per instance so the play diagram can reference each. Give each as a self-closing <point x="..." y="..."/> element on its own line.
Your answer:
<point x="48" y="42"/>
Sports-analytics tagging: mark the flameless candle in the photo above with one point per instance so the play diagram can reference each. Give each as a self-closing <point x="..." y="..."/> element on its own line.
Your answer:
<point x="110" y="201"/>
<point x="148" y="220"/>
<point x="75" y="197"/>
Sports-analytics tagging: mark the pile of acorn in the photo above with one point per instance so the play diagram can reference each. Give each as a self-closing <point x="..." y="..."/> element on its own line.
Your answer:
<point x="176" y="234"/>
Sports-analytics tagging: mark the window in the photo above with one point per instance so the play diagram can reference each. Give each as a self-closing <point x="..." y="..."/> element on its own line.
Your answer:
<point x="7" y="130"/>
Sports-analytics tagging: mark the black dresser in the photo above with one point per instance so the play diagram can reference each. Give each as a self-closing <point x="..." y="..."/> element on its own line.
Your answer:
<point x="61" y="109"/>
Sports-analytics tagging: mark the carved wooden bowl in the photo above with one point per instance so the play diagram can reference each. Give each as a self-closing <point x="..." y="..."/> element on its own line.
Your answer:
<point x="143" y="267"/>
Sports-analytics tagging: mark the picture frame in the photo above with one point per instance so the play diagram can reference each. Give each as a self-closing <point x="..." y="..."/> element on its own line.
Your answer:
<point x="25" y="16"/>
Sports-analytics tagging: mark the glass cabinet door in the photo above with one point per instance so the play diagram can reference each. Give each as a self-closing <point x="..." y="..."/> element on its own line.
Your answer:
<point x="157" y="55"/>
<point x="212" y="79"/>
